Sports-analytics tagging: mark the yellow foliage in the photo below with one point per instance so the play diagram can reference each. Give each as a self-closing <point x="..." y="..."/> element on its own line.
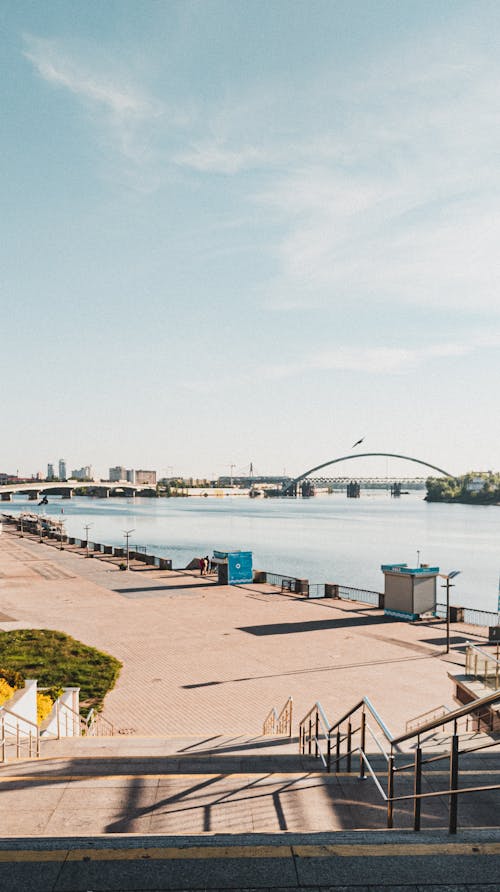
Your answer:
<point x="44" y="705"/>
<point x="5" y="691"/>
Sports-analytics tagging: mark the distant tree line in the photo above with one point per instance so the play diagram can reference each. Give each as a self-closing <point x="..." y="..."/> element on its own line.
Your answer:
<point x="474" y="488"/>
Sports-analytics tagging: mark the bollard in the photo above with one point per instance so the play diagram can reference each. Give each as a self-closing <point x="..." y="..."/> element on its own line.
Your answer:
<point x="331" y="590"/>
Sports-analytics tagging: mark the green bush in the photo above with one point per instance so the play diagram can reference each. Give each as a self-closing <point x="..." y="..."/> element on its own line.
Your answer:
<point x="56" y="660"/>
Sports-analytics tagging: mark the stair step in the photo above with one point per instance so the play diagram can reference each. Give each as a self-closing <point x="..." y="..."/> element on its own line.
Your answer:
<point x="275" y="862"/>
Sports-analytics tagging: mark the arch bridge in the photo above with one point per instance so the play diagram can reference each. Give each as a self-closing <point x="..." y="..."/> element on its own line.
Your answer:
<point x="105" y="489"/>
<point x="291" y="486"/>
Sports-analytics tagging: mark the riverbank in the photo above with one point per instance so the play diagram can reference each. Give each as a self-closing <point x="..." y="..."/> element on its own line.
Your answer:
<point x="329" y="539"/>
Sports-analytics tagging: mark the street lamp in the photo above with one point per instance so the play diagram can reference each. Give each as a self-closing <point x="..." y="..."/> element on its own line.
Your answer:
<point x="447" y="586"/>
<point x="86" y="527"/>
<point x="61" y="534"/>
<point x="127" y="534"/>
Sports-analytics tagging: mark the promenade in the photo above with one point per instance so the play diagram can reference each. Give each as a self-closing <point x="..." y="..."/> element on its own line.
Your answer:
<point x="201" y="659"/>
<point x="188" y="795"/>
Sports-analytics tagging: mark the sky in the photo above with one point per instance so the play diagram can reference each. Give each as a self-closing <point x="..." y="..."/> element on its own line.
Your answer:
<point x="238" y="232"/>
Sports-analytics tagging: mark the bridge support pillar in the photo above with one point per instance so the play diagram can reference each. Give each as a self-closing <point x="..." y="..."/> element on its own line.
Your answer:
<point x="67" y="494"/>
<point x="33" y="496"/>
<point x="6" y="497"/>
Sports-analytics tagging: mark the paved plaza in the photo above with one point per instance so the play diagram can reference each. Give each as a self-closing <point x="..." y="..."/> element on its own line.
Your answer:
<point x="201" y="659"/>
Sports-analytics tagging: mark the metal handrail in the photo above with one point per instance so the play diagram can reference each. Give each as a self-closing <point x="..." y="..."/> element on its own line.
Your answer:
<point x="484" y="653"/>
<point x="94" y="720"/>
<point x="270" y="721"/>
<point x="17" y="716"/>
<point x="487" y="700"/>
<point x="10" y="728"/>
<point x="423" y="715"/>
<point x="478" y="663"/>
<point x="309" y="737"/>
<point x="279" y="723"/>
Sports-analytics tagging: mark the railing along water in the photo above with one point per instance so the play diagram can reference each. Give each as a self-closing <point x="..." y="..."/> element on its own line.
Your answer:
<point x="348" y="737"/>
<point x="350" y="593"/>
<point x="471" y="615"/>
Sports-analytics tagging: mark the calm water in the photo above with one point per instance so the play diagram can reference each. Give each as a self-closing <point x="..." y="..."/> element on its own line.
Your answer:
<point x="325" y="539"/>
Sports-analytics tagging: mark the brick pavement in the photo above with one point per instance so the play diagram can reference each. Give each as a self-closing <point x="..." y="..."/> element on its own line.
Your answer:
<point x="202" y="659"/>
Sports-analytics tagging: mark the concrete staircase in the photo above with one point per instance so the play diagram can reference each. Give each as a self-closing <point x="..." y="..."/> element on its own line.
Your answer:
<point x="235" y="813"/>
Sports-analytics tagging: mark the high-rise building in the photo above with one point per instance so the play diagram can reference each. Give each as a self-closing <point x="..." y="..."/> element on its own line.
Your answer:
<point x="130" y="475"/>
<point x="50" y="472"/>
<point x="143" y="477"/>
<point x="117" y="473"/>
<point x="62" y="469"/>
<point x="85" y="473"/>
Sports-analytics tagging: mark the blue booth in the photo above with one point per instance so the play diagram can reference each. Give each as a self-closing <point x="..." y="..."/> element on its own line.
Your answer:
<point x="233" y="567"/>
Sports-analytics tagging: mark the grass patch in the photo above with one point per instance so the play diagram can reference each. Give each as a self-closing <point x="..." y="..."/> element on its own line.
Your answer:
<point x="58" y="661"/>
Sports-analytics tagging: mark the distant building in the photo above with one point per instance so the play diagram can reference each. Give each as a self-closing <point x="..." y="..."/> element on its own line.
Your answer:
<point x="85" y="473"/>
<point x="130" y="475"/>
<point x="50" y="472"/>
<point x="118" y="473"/>
<point x="142" y="477"/>
<point x="8" y="478"/>
<point x="62" y="469"/>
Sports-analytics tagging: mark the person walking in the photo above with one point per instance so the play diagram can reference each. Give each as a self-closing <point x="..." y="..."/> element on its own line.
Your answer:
<point x="202" y="565"/>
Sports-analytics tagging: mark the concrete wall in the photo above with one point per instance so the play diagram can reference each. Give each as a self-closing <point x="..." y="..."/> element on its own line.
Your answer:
<point x="23" y="704"/>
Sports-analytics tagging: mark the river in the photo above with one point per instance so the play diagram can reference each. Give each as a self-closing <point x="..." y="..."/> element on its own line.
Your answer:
<point x="324" y="539"/>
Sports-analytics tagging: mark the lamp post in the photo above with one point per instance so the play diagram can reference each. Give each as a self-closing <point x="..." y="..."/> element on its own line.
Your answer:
<point x="86" y="527"/>
<point x="127" y="534"/>
<point x="61" y="534"/>
<point x="447" y="586"/>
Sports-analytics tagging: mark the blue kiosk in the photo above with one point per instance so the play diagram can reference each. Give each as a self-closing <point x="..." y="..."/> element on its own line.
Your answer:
<point x="409" y="591"/>
<point x="233" y="567"/>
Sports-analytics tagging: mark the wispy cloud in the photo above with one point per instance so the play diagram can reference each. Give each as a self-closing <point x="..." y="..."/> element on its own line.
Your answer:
<point x="56" y="67"/>
<point x="379" y="360"/>
<point x="123" y="115"/>
<point x="388" y="189"/>
<point x="216" y="157"/>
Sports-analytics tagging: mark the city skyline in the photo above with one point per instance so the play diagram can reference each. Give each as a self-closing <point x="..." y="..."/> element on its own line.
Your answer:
<point x="239" y="232"/>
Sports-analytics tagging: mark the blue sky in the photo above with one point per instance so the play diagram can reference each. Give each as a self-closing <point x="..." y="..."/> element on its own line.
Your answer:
<point x="249" y="231"/>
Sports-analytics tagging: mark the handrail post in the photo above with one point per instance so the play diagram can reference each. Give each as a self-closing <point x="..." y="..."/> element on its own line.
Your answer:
<point x="58" y="720"/>
<point x="362" y="745"/>
<point x="309" y="748"/>
<point x="18" y="741"/>
<point x="316" y="734"/>
<point x="417" y="787"/>
<point x="390" y="791"/>
<point x="349" y="743"/>
<point x="337" y="748"/>
<point x="290" y="717"/>
<point x="329" y="753"/>
<point x="2" y="732"/>
<point x="454" y="781"/>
